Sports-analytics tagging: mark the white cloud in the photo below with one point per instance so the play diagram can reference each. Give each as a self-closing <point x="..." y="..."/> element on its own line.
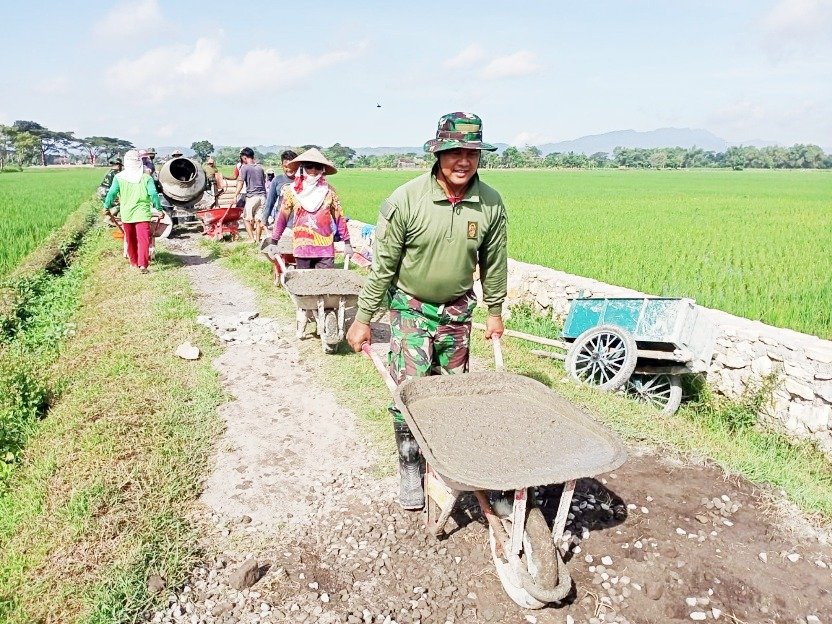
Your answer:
<point x="797" y="23"/>
<point x="191" y="72"/>
<point x="129" y="19"/>
<point x="57" y="85"/>
<point x="528" y="138"/>
<point x="489" y="67"/>
<point x="466" y="58"/>
<point x="738" y="116"/>
<point x="166" y="131"/>
<point x="740" y="119"/>
<point x="521" y="63"/>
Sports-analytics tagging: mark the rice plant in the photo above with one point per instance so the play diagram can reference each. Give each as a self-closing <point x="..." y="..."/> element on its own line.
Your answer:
<point x="753" y="243"/>
<point x="34" y="203"/>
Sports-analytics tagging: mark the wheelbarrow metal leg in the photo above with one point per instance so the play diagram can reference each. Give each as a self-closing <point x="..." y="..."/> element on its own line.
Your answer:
<point x="320" y="320"/>
<point x="300" y="321"/>
<point x="341" y="309"/>
<point x="437" y="491"/>
<point x="563" y="511"/>
<point x="518" y="521"/>
<point x="495" y="523"/>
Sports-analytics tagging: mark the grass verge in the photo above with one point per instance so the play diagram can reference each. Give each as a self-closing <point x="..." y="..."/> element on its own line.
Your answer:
<point x="104" y="492"/>
<point x="717" y="430"/>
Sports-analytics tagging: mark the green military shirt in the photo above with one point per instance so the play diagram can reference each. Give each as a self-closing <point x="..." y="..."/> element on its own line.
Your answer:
<point x="428" y="247"/>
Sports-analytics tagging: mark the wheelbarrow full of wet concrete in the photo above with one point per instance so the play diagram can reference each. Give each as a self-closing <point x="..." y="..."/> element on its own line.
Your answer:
<point x="323" y="295"/>
<point x="501" y="436"/>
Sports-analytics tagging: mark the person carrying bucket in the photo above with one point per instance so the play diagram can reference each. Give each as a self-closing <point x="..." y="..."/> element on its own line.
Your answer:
<point x="317" y="212"/>
<point x="432" y="232"/>
<point x="137" y="196"/>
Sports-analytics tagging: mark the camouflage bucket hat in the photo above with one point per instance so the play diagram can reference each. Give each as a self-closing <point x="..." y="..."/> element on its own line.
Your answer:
<point x="458" y="130"/>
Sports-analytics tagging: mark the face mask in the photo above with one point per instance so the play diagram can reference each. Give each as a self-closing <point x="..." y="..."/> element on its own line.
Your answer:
<point x="312" y="179"/>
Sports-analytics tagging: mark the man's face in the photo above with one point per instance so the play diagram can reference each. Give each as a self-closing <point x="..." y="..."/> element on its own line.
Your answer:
<point x="459" y="165"/>
<point x="285" y="165"/>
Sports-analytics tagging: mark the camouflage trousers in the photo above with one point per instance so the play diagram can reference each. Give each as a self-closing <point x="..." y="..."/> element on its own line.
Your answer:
<point x="428" y="339"/>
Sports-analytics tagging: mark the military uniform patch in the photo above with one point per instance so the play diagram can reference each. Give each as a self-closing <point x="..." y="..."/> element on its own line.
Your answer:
<point x="473" y="228"/>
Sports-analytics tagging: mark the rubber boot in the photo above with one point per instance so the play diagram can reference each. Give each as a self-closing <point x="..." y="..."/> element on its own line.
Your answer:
<point x="411" y="490"/>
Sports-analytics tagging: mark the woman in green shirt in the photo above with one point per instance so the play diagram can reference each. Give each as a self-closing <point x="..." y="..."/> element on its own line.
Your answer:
<point x="136" y="192"/>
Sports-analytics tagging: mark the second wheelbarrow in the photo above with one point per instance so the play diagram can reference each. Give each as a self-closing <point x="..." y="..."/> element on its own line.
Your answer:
<point x="325" y="295"/>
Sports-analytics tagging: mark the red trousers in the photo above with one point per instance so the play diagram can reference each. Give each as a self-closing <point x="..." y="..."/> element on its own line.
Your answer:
<point x="137" y="237"/>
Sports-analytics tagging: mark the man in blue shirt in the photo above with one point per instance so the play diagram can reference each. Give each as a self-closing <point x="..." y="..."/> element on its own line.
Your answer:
<point x="276" y="189"/>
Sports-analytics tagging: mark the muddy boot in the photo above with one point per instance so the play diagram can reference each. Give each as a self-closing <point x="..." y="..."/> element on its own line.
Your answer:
<point x="411" y="492"/>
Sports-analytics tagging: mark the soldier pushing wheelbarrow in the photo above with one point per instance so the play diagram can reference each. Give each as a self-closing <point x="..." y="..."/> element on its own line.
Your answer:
<point x="432" y="233"/>
<point x="496" y="435"/>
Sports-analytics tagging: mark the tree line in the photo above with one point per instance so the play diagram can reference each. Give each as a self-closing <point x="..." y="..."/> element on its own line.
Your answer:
<point x="28" y="142"/>
<point x="741" y="157"/>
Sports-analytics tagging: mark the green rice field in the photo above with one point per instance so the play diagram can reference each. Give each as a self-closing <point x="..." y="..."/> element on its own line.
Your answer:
<point x="34" y="203"/>
<point x="754" y="243"/>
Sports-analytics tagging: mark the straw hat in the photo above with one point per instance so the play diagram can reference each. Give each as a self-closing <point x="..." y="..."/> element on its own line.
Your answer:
<point x="312" y="155"/>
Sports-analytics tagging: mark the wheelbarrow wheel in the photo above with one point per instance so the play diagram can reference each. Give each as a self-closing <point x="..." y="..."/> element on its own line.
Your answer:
<point x="330" y="329"/>
<point x="662" y="391"/>
<point x="603" y="356"/>
<point x="167" y="222"/>
<point x="538" y="558"/>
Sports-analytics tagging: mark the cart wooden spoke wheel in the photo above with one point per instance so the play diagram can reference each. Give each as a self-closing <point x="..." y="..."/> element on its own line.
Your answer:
<point x="662" y="391"/>
<point x="603" y="356"/>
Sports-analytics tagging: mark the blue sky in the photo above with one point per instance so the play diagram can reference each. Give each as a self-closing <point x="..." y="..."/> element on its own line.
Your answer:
<point x="261" y="73"/>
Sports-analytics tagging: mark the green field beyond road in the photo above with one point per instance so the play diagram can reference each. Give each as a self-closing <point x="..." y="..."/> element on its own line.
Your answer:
<point x="753" y="243"/>
<point x="36" y="202"/>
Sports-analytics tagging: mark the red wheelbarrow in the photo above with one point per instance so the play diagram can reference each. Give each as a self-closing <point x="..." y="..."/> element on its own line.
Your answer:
<point x="217" y="222"/>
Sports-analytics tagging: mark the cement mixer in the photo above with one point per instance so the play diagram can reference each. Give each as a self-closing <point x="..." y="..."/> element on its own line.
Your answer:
<point x="183" y="183"/>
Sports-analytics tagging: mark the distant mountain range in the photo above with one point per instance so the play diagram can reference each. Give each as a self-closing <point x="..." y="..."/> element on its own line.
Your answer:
<point x="590" y="144"/>
<point x="663" y="137"/>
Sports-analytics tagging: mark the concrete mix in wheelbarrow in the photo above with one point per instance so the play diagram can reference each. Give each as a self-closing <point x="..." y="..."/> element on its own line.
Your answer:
<point x="504" y="431"/>
<point x="307" y="282"/>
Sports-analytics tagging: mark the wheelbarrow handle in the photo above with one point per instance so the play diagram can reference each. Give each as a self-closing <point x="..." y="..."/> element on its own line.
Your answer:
<point x="113" y="219"/>
<point x="380" y="367"/>
<point x="499" y="365"/>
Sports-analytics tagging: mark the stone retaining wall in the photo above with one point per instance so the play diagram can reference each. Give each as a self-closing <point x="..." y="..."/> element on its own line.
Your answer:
<point x="745" y="352"/>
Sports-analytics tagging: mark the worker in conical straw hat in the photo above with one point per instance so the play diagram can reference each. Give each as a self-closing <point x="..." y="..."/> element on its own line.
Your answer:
<point x="138" y="197"/>
<point x="432" y="233"/>
<point x="317" y="212"/>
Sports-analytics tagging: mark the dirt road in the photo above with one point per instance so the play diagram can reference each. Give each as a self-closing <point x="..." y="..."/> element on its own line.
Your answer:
<point x="293" y="507"/>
